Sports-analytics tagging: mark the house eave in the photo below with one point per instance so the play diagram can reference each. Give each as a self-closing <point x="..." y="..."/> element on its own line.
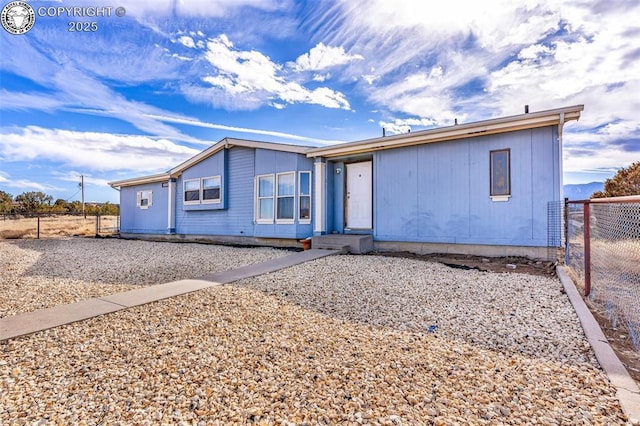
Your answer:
<point x="230" y="142"/>
<point x="461" y="131"/>
<point x="161" y="177"/>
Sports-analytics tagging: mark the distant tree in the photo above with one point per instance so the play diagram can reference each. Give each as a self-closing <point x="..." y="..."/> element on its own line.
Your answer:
<point x="34" y="201"/>
<point x="625" y="182"/>
<point x="5" y="202"/>
<point x="59" y="206"/>
<point x="74" y="207"/>
<point x="109" y="209"/>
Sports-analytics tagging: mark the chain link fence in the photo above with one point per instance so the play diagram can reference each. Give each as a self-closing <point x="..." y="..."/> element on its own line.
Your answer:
<point x="603" y="253"/>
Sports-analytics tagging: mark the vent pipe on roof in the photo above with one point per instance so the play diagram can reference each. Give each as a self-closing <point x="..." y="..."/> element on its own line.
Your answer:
<point x="455" y="122"/>
<point x="384" y="132"/>
<point x="526" y="109"/>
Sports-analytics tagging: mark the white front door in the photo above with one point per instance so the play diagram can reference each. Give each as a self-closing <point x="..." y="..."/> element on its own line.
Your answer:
<point x="359" y="203"/>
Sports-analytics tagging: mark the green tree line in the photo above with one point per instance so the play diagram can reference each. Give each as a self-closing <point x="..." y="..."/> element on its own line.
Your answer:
<point x="39" y="202"/>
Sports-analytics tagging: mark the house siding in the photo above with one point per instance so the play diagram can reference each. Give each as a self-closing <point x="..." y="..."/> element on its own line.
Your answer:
<point x="439" y="192"/>
<point x="152" y="220"/>
<point x="238" y="167"/>
<point x="235" y="218"/>
<point x="272" y="162"/>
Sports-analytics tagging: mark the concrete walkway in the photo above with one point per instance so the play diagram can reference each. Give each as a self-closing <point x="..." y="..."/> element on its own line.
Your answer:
<point x="43" y="319"/>
<point x="627" y="390"/>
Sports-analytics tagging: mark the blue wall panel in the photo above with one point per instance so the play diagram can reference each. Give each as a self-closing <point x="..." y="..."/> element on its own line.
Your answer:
<point x="152" y="220"/>
<point x="237" y="218"/>
<point x="440" y="192"/>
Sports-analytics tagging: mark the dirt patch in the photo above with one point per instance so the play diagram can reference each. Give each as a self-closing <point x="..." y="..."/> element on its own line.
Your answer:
<point x="620" y="341"/>
<point x="618" y="338"/>
<point x="521" y="265"/>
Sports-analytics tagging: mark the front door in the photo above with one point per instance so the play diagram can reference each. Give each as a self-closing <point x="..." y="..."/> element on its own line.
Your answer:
<point x="359" y="202"/>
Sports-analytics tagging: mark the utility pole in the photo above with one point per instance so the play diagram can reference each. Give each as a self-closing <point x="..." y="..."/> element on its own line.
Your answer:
<point x="82" y="187"/>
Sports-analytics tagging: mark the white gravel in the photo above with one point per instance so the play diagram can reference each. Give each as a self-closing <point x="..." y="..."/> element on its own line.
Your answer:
<point x="340" y="340"/>
<point x="516" y="312"/>
<point x="39" y="274"/>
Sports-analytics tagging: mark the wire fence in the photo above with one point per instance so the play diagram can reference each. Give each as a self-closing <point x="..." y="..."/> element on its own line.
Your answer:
<point x="44" y="225"/>
<point x="603" y="253"/>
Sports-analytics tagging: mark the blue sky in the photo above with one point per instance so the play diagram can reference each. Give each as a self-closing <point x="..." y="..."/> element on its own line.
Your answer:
<point x="148" y="90"/>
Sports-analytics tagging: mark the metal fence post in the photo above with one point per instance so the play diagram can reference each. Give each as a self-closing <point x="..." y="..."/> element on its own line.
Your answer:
<point x="566" y="231"/>
<point x="587" y="250"/>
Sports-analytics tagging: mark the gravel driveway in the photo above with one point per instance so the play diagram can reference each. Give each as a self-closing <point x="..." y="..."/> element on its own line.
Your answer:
<point x="38" y="274"/>
<point x="340" y="340"/>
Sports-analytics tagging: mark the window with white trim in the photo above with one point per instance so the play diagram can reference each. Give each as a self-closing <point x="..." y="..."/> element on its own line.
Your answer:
<point x="265" y="195"/>
<point x="144" y="199"/>
<point x="211" y="189"/>
<point x="304" y="197"/>
<point x="202" y="190"/>
<point x="285" y="196"/>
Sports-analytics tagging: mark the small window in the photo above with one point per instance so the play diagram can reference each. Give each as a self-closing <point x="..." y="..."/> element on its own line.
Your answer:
<point x="285" y="196"/>
<point x="500" y="171"/>
<point x="144" y="199"/>
<point x="304" y="196"/>
<point x="192" y="191"/>
<point x="265" y="193"/>
<point x="211" y="189"/>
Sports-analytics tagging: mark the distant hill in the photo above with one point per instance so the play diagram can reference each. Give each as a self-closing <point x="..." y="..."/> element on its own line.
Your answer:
<point x="582" y="191"/>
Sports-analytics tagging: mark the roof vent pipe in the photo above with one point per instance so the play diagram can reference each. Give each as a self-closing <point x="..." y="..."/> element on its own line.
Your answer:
<point x="384" y="132"/>
<point x="455" y="123"/>
<point x="526" y="109"/>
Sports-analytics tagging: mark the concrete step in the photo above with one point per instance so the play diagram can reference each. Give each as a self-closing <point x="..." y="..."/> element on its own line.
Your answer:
<point x="329" y="246"/>
<point x="356" y="244"/>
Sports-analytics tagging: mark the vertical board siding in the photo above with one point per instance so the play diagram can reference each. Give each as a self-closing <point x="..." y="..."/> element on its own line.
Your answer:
<point x="396" y="197"/>
<point x="440" y="192"/>
<point x="135" y="220"/>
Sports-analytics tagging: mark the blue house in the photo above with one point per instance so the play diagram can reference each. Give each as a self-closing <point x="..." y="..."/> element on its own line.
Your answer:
<point x="478" y="188"/>
<point x="237" y="191"/>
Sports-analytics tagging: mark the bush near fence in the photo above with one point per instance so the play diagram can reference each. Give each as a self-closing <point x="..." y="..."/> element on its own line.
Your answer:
<point x="58" y="225"/>
<point x="605" y="257"/>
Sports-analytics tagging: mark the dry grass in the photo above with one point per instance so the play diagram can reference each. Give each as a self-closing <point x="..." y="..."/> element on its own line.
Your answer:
<point x="56" y="226"/>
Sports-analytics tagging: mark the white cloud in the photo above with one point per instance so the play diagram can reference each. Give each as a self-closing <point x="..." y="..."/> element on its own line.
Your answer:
<point x="322" y="57"/>
<point x="23" y="101"/>
<point x="24" y="185"/>
<point x="290" y="136"/>
<point x="187" y="41"/>
<point x="321" y="78"/>
<point x="405" y="125"/>
<point x="92" y="150"/>
<point x="249" y="79"/>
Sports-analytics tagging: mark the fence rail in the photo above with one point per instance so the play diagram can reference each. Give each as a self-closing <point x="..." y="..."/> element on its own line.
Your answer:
<point x="603" y="252"/>
<point x="43" y="225"/>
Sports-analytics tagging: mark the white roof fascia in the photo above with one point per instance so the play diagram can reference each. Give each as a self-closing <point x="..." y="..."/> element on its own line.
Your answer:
<point x="162" y="177"/>
<point x="459" y="131"/>
<point x="228" y="143"/>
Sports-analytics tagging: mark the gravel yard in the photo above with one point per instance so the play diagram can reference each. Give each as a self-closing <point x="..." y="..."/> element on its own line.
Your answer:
<point x="340" y="340"/>
<point x="39" y="274"/>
